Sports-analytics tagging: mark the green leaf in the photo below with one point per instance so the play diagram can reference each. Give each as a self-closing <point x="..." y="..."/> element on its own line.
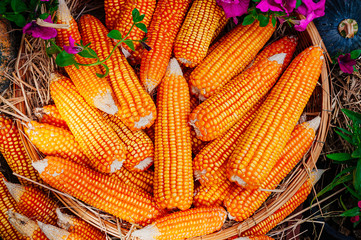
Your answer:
<point x="88" y="53"/>
<point x="2" y="8"/>
<point x="351" y="212"/>
<point x="141" y="26"/>
<point x="357" y="177"/>
<point x="18" y="6"/>
<point x="353" y="193"/>
<point x="249" y="19"/>
<point x="106" y="71"/>
<point x="344" y="136"/>
<point x="140" y="18"/>
<point x="298" y="3"/>
<point x="130" y="44"/>
<point x="356" y="153"/>
<point x="135" y="14"/>
<point x="65" y="59"/>
<point x="274" y="20"/>
<point x="20" y="20"/>
<point x="355" y="116"/>
<point x="355" y="53"/>
<point x="263" y="20"/>
<point x="342" y="204"/>
<point x="44" y="15"/>
<point x="344" y="130"/>
<point x="356" y="223"/>
<point x="115" y="34"/>
<point x="256" y="0"/>
<point x="52" y="50"/>
<point x="33" y="4"/>
<point x="339" y="156"/>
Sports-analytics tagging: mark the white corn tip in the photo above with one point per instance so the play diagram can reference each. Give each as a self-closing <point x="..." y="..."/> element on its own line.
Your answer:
<point x="238" y="180"/>
<point x="116" y="165"/>
<point x="16" y="190"/>
<point x="174" y="68"/>
<point x="52" y="232"/>
<point x="40" y="165"/>
<point x="316" y="175"/>
<point x="144" y="163"/>
<point x="150" y="232"/>
<point x="22" y="224"/>
<point x="143" y="121"/>
<point x="315" y="123"/>
<point x="64" y="220"/>
<point x="279" y="58"/>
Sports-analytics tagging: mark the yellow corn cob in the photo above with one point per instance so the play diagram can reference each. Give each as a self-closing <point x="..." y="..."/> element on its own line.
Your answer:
<point x="98" y="141"/>
<point x="230" y="57"/>
<point x="300" y="196"/>
<point x="96" y="92"/>
<point x="242" y="203"/>
<point x="113" y="9"/>
<point x="163" y="29"/>
<point x="198" y="28"/>
<point x="137" y="180"/>
<point x="150" y="132"/>
<point x="185" y="224"/>
<point x="7" y="231"/>
<point x="220" y="26"/>
<point x="55" y="141"/>
<point x="13" y="150"/>
<point x="264" y="139"/>
<point x="213" y="195"/>
<point x="260" y="237"/>
<point x="215" y="116"/>
<point x="140" y="149"/>
<point x="214" y="154"/>
<point x="49" y="114"/>
<point x="125" y="20"/>
<point x="28" y="228"/>
<point x="173" y="180"/>
<point x="55" y="233"/>
<point x="98" y="190"/>
<point x="33" y="202"/>
<point x="76" y="225"/>
<point x="137" y="110"/>
<point x="197" y="144"/>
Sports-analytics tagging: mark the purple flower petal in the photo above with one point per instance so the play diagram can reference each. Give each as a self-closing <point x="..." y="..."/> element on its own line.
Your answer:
<point x="355" y="219"/>
<point x="33" y="29"/>
<point x="72" y="49"/>
<point x="310" y="10"/>
<point x="286" y="6"/>
<point x="234" y="8"/>
<point x="346" y="63"/>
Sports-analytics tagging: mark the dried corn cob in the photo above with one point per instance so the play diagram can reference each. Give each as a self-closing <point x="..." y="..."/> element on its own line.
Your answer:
<point x="140" y="149"/>
<point x="76" y="225"/>
<point x="137" y="110"/>
<point x="173" y="180"/>
<point x="230" y="57"/>
<point x="33" y="203"/>
<point x="7" y="231"/>
<point x="98" y="190"/>
<point x="214" y="154"/>
<point x="96" y="92"/>
<point x="125" y="20"/>
<point x="55" y="233"/>
<point x="242" y="203"/>
<point x="28" y="228"/>
<point x="55" y="141"/>
<point x="220" y="26"/>
<point x="197" y="144"/>
<point x="264" y="139"/>
<point x="137" y="180"/>
<point x="185" y="224"/>
<point x="13" y="150"/>
<point x="49" y="114"/>
<point x="150" y="132"/>
<point x="198" y="28"/>
<point x="163" y="29"/>
<point x="215" y="116"/>
<point x="299" y="197"/>
<point x="98" y="141"/>
<point x="113" y="9"/>
<point x="260" y="237"/>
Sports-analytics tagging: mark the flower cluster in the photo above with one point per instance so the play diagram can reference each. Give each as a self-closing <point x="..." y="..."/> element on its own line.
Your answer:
<point x="356" y="218"/>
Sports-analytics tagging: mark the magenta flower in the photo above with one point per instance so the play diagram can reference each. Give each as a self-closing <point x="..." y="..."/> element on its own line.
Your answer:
<point x="310" y="10"/>
<point x="72" y="49"/>
<point x="286" y="6"/>
<point x="234" y="8"/>
<point x="346" y="63"/>
<point x="33" y="29"/>
<point x="359" y="204"/>
<point x="355" y="219"/>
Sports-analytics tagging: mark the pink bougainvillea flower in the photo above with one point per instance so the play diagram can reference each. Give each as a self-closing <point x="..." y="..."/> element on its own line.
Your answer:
<point x="346" y="63"/>
<point x="234" y="8"/>
<point x="355" y="219"/>
<point x="310" y="10"/>
<point x="33" y="29"/>
<point x="72" y="49"/>
<point x="359" y="204"/>
<point x="286" y="6"/>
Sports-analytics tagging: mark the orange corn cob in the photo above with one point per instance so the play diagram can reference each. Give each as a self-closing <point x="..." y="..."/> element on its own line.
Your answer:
<point x="230" y="57"/>
<point x="98" y="190"/>
<point x="55" y="141"/>
<point x="163" y="29"/>
<point x="214" y="154"/>
<point x="260" y="237"/>
<point x="7" y="231"/>
<point x="208" y="196"/>
<point x="197" y="144"/>
<point x="300" y="196"/>
<point x="140" y="149"/>
<point x="150" y="132"/>
<point x="198" y="28"/>
<point x="13" y="150"/>
<point x="137" y="110"/>
<point x="185" y="224"/>
<point x="28" y="228"/>
<point x="113" y="9"/>
<point x="95" y="90"/>
<point x="263" y="141"/>
<point x="242" y="203"/>
<point x="33" y="202"/>
<point x="215" y="116"/>
<point x="49" y="114"/>
<point x="220" y="26"/>
<point x="76" y="225"/>
<point x="137" y="180"/>
<point x="125" y="20"/>
<point x="173" y="180"/>
<point x="55" y="233"/>
<point x="98" y="141"/>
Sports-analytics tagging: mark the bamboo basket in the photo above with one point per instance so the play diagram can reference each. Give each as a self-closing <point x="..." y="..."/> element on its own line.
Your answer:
<point x="319" y="104"/>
